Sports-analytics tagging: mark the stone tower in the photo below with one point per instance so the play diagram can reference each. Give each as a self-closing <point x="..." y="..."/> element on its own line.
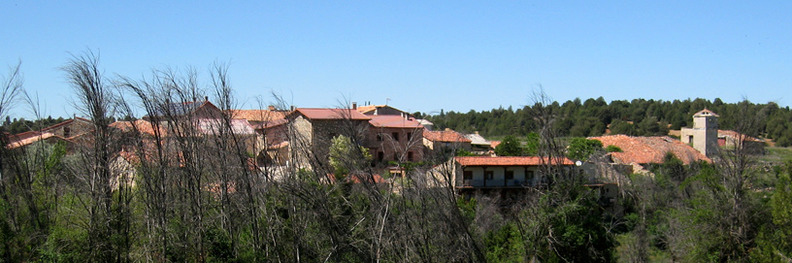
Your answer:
<point x="704" y="134"/>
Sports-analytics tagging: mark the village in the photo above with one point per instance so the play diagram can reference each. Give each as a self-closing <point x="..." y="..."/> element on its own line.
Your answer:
<point x="302" y="174"/>
<point x="393" y="144"/>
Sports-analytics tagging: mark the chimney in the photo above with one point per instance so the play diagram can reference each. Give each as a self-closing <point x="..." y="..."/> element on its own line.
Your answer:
<point x="354" y="105"/>
<point x="447" y="129"/>
<point x="271" y="107"/>
<point x="206" y="98"/>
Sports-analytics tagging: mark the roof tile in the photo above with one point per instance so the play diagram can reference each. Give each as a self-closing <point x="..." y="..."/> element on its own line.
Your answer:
<point x="508" y="161"/>
<point x="445" y="136"/>
<point x="642" y="150"/>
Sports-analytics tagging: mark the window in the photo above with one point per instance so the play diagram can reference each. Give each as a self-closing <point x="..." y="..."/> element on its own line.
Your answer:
<point x="489" y="175"/>
<point x="509" y="175"/>
<point x="66" y="132"/>
<point x="409" y="136"/>
<point x="529" y="175"/>
<point x="396" y="136"/>
<point x="380" y="156"/>
<point x="410" y="156"/>
<point x="379" y="137"/>
<point x="468" y="175"/>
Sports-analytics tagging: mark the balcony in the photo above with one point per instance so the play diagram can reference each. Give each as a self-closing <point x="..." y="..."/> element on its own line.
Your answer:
<point x="495" y="183"/>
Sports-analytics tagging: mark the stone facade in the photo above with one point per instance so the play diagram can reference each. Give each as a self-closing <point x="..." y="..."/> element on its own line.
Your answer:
<point x="704" y="134"/>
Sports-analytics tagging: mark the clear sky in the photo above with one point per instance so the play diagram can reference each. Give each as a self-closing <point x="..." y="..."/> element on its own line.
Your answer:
<point x="422" y="55"/>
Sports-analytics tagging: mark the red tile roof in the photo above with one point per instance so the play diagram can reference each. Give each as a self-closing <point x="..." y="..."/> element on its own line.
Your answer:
<point x="258" y="115"/>
<point x="643" y="150"/>
<point x="270" y="124"/>
<point x="141" y="125"/>
<point x="445" y="136"/>
<point x="32" y="139"/>
<point x="331" y="114"/>
<point x="393" y="121"/>
<point x="23" y="136"/>
<point x="508" y="161"/>
<point x="367" y="108"/>
<point x="494" y="144"/>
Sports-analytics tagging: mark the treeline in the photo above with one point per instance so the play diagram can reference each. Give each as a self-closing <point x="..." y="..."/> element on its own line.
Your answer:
<point x="22" y="125"/>
<point x="638" y="117"/>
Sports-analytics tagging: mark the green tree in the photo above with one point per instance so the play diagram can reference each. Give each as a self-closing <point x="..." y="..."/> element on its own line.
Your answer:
<point x="346" y="157"/>
<point x="774" y="243"/>
<point x="532" y="143"/>
<point x="582" y="148"/>
<point x="510" y="146"/>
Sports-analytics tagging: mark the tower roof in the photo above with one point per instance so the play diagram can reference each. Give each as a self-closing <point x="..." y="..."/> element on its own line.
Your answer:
<point x="705" y="113"/>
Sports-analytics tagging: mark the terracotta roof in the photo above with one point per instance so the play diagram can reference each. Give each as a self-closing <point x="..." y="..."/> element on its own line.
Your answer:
<point x="507" y="161"/>
<point x="494" y="144"/>
<point x="393" y="121"/>
<point x="30" y="140"/>
<point x="643" y="150"/>
<point x="22" y="136"/>
<point x="705" y="112"/>
<point x="737" y="135"/>
<point x="444" y="136"/>
<point x="367" y="108"/>
<point x="331" y="114"/>
<point x="270" y="124"/>
<point x="258" y="115"/>
<point x="141" y="125"/>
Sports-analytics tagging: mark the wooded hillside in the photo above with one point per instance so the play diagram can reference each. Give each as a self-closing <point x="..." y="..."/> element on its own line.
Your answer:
<point x="637" y="117"/>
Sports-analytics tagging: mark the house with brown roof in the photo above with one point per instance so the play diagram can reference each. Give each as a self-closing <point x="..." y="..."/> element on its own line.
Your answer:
<point x="395" y="138"/>
<point x="312" y="130"/>
<point x="478" y="144"/>
<point x="27" y="138"/>
<point x="447" y="139"/>
<point x="486" y="172"/>
<point x="71" y="127"/>
<point x="70" y="131"/>
<point x="728" y="139"/>
<point x="271" y="126"/>
<point x="259" y="117"/>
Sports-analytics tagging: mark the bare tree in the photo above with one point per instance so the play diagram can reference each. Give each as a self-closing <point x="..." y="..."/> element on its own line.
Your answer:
<point x="109" y="219"/>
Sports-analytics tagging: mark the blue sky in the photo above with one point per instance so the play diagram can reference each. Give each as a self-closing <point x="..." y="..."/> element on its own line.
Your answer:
<point x="422" y="55"/>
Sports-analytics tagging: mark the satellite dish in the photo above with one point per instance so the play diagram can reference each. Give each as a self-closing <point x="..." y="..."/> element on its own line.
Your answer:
<point x="578" y="163"/>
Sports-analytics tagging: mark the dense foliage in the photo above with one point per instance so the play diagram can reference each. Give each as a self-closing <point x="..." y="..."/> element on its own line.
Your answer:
<point x="637" y="117"/>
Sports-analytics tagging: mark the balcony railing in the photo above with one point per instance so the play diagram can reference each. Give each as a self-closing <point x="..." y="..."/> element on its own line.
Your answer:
<point x="470" y="183"/>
